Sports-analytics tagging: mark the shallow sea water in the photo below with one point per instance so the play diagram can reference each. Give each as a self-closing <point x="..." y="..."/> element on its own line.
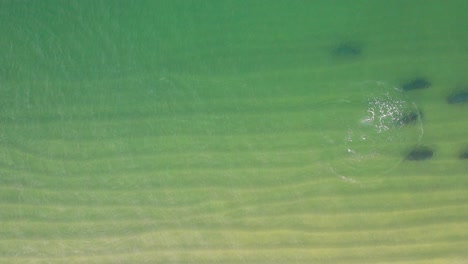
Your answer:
<point x="232" y="132"/>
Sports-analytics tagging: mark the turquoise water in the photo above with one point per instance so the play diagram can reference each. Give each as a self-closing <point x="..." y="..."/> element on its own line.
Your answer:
<point x="231" y="131"/>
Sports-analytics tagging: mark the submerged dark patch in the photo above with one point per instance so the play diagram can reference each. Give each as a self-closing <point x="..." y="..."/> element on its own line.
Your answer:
<point x="458" y="98"/>
<point x="416" y="84"/>
<point x="420" y="153"/>
<point x="409" y="119"/>
<point x="347" y="50"/>
<point x="463" y="154"/>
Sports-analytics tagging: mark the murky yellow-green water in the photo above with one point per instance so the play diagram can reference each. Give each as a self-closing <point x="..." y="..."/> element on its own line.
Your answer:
<point x="232" y="132"/>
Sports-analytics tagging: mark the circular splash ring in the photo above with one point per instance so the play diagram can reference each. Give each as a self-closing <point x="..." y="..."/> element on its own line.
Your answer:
<point x="367" y="133"/>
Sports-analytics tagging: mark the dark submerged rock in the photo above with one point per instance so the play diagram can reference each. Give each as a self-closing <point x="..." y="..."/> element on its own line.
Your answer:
<point x="458" y="98"/>
<point x="416" y="84"/>
<point x="347" y="50"/>
<point x="420" y="153"/>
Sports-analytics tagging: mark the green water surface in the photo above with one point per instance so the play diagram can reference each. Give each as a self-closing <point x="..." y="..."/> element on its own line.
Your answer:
<point x="231" y="132"/>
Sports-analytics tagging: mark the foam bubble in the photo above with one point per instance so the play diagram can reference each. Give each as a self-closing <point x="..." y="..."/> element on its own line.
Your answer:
<point x="368" y="131"/>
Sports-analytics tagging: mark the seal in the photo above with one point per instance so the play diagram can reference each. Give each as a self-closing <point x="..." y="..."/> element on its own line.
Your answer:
<point x="458" y="97"/>
<point x="416" y="84"/>
<point x="420" y="153"/>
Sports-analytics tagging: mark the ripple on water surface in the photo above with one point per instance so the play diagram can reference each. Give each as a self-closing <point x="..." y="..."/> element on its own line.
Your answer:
<point x="368" y="127"/>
